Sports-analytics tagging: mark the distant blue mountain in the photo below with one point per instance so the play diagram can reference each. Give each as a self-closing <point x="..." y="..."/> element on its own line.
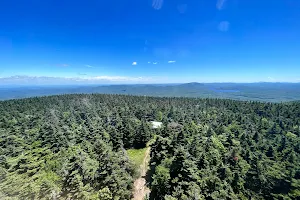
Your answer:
<point x="271" y="92"/>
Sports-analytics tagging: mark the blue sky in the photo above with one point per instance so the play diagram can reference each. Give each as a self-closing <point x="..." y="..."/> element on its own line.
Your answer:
<point x="150" y="41"/>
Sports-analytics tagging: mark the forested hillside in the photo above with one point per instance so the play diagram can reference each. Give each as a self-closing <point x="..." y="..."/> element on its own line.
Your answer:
<point x="74" y="147"/>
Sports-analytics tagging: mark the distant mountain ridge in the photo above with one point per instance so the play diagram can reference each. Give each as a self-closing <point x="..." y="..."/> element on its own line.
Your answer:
<point x="270" y="92"/>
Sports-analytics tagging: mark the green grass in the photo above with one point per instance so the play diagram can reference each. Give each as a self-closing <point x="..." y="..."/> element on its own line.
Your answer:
<point x="136" y="155"/>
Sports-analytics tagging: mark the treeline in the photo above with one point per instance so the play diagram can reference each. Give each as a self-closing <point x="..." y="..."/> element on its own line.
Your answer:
<point x="73" y="147"/>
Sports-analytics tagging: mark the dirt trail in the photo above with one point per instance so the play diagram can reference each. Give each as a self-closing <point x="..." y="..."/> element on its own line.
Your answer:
<point x="140" y="188"/>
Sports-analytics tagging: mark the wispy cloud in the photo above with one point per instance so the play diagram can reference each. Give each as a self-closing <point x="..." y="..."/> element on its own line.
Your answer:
<point x="89" y="66"/>
<point x="220" y="4"/>
<point x="157" y="4"/>
<point x="172" y="61"/>
<point x="149" y="62"/>
<point x="134" y="63"/>
<point x="154" y="63"/>
<point x="81" y="78"/>
<point x="117" y="78"/>
<point x="64" y="65"/>
<point x="224" y="26"/>
<point x="271" y="78"/>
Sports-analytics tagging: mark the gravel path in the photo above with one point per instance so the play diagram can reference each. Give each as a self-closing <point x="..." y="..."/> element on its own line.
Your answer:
<point x="140" y="188"/>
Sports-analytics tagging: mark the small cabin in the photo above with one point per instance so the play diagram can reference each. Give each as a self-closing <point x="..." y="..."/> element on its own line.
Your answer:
<point x="156" y="124"/>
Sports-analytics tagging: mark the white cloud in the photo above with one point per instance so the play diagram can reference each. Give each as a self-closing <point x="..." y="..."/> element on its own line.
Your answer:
<point x="134" y="63"/>
<point x="220" y="4"/>
<point x="271" y="78"/>
<point x="149" y="62"/>
<point x="154" y="63"/>
<point x="82" y="78"/>
<point x="172" y="61"/>
<point x="224" y="26"/>
<point x="115" y="78"/>
<point x="88" y="66"/>
<point x="64" y="65"/>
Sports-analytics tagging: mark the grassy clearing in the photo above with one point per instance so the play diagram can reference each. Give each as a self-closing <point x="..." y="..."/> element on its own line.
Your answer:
<point x="137" y="156"/>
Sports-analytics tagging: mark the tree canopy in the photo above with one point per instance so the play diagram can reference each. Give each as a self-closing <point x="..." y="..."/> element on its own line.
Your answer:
<point x="74" y="147"/>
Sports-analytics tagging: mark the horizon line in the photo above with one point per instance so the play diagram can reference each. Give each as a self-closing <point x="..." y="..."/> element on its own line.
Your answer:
<point x="167" y="83"/>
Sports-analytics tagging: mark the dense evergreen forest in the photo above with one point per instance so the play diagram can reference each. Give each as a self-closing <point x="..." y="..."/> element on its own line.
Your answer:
<point x="74" y="147"/>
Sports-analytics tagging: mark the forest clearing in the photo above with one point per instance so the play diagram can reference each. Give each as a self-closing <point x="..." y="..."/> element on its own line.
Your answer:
<point x="140" y="186"/>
